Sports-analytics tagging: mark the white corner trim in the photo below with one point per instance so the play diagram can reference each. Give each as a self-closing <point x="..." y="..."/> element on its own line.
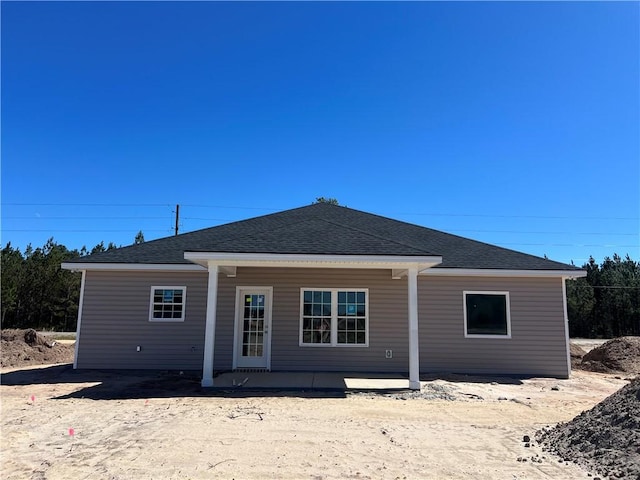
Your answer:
<point x="80" y="304"/>
<point x="496" y="272"/>
<point x="566" y="325"/>
<point x="414" y="339"/>
<point x="157" y="267"/>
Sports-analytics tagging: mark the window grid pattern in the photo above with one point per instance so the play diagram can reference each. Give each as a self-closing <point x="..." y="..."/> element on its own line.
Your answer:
<point x="334" y="317"/>
<point x="253" y="326"/>
<point x="316" y="317"/>
<point x="168" y="304"/>
<point x="352" y="320"/>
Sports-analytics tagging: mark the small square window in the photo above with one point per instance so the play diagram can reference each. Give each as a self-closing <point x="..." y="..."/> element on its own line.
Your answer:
<point x="167" y="304"/>
<point x="487" y="314"/>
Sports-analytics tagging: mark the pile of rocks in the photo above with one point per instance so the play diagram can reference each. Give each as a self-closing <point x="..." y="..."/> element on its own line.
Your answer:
<point x="605" y="439"/>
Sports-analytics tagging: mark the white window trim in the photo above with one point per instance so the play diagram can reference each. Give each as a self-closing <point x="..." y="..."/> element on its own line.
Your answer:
<point x="334" y="317"/>
<point x="486" y="292"/>
<point x="168" y="287"/>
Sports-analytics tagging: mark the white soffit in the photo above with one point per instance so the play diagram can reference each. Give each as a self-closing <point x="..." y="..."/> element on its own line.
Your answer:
<point x="311" y="261"/>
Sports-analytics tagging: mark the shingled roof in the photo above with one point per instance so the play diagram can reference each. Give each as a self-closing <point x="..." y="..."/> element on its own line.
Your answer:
<point x="325" y="229"/>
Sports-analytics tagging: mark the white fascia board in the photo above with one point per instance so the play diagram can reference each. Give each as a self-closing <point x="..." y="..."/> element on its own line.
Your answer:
<point x="155" y="267"/>
<point x="309" y="261"/>
<point x="496" y="272"/>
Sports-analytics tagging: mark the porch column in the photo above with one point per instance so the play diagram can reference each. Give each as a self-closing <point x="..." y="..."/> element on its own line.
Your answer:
<point x="414" y="357"/>
<point x="210" y="326"/>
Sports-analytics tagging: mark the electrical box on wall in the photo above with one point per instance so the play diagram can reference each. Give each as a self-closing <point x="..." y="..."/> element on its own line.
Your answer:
<point x="138" y="348"/>
<point x="388" y="354"/>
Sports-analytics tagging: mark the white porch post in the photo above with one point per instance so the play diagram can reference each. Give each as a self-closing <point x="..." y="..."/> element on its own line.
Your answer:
<point x="210" y="326"/>
<point x="414" y="357"/>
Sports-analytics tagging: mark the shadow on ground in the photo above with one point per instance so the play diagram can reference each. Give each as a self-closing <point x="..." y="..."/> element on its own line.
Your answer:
<point x="143" y="384"/>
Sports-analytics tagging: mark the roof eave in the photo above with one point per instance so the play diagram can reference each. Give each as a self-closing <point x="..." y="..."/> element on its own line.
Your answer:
<point x="497" y="272"/>
<point x="421" y="262"/>
<point x="124" y="266"/>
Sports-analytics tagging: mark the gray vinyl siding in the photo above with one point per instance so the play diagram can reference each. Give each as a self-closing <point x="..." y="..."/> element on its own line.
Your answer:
<point x="537" y="345"/>
<point x="388" y="328"/>
<point x="115" y="319"/>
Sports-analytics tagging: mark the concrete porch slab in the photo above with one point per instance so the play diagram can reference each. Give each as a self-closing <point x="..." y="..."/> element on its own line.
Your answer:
<point x="341" y="381"/>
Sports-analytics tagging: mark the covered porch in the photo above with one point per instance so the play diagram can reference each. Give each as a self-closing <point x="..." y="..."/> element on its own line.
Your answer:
<point x="317" y="381"/>
<point x="399" y="269"/>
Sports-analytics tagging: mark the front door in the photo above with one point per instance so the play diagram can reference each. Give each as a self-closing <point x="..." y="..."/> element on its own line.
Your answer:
<point x="253" y="328"/>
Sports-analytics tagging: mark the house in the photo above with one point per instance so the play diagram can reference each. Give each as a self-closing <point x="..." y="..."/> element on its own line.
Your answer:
<point x="323" y="288"/>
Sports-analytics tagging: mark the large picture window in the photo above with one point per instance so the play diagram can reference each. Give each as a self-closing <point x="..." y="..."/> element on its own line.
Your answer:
<point x="334" y="317"/>
<point x="167" y="304"/>
<point x="487" y="314"/>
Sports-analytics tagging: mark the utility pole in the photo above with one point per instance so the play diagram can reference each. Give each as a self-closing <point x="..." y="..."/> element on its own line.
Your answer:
<point x="177" y="217"/>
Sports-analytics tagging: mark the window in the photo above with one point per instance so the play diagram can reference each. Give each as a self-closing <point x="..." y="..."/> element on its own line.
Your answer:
<point x="167" y="304"/>
<point x="334" y="317"/>
<point x="487" y="314"/>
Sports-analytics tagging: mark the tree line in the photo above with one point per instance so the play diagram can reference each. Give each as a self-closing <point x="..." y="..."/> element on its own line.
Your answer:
<point x="37" y="293"/>
<point x="606" y="303"/>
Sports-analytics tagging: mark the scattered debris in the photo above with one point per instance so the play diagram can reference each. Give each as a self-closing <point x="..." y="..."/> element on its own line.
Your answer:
<point x="240" y="384"/>
<point x="245" y="412"/>
<point x="430" y="391"/>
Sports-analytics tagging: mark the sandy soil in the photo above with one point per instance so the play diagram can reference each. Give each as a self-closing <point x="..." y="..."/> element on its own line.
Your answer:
<point x="19" y="348"/>
<point x="144" y="426"/>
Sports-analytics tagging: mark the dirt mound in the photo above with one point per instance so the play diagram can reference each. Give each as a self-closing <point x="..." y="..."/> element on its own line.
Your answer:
<point x="26" y="347"/>
<point x="576" y="352"/>
<point x="617" y="355"/>
<point x="605" y="439"/>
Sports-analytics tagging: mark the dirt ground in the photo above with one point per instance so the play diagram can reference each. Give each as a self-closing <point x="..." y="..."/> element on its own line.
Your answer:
<point x="27" y="347"/>
<point x="63" y="424"/>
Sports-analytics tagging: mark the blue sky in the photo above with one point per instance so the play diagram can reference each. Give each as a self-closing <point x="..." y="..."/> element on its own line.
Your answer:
<point x="516" y="124"/>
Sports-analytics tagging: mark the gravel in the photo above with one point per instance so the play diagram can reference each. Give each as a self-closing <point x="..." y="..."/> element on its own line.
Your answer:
<point x="605" y="439"/>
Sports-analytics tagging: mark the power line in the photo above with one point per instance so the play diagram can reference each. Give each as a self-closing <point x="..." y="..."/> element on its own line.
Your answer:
<point x="79" y="230"/>
<point x="482" y="215"/>
<point x="614" y="287"/>
<point x="87" y="204"/>
<point x="94" y="217"/>
<point x="237" y="207"/>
